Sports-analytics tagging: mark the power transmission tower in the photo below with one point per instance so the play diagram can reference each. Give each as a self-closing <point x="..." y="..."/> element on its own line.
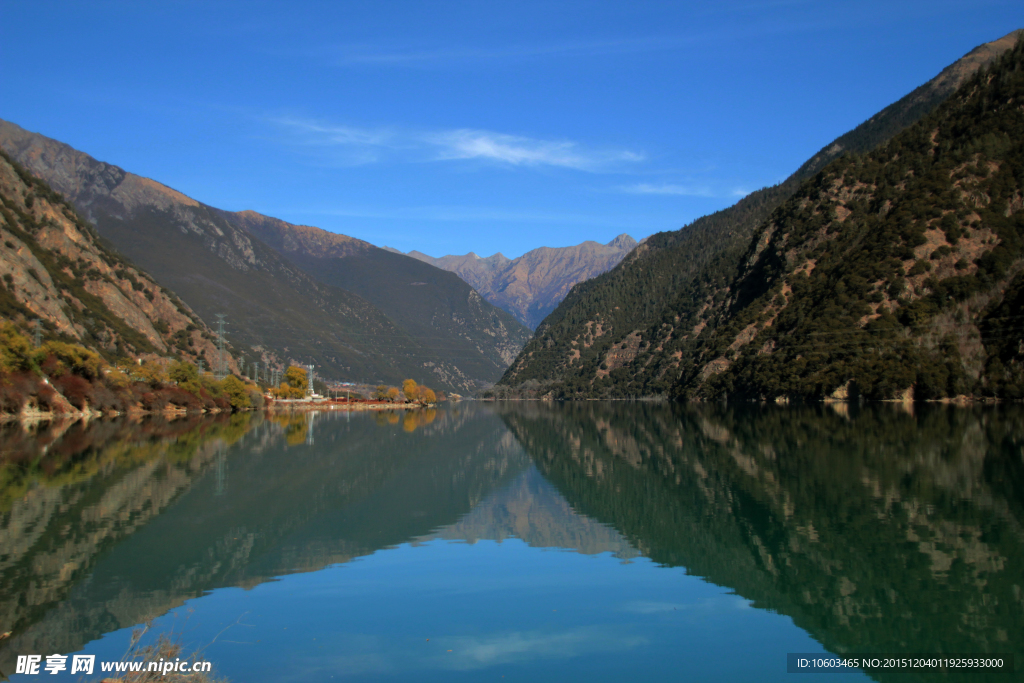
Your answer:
<point x="257" y="372"/>
<point x="309" y="388"/>
<point x="222" y="361"/>
<point x="37" y="333"/>
<point x="202" y="367"/>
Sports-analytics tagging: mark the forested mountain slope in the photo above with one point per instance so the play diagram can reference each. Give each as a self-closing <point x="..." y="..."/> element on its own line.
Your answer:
<point x="604" y="324"/>
<point x="530" y="286"/>
<point x="895" y="273"/>
<point x="277" y="312"/>
<point x="56" y="270"/>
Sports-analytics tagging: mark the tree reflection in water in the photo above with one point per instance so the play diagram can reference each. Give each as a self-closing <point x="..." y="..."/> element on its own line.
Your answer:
<point x="876" y="529"/>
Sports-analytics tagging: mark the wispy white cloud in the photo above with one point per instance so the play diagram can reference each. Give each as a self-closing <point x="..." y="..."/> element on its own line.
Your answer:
<point x="320" y="133"/>
<point x="682" y="190"/>
<point x="669" y="188"/>
<point x="376" y="55"/>
<point x="718" y="604"/>
<point x="521" y="151"/>
<point x="472" y="214"/>
<point x="377" y="144"/>
<point x="475" y="652"/>
<point x="747" y="24"/>
<point x="652" y="607"/>
<point x="368" y="655"/>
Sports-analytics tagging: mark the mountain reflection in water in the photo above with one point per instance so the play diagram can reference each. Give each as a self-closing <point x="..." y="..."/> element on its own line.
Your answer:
<point x="874" y="530"/>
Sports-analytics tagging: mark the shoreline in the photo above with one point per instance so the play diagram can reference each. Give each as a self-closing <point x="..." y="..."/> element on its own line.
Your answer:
<point x="31" y="415"/>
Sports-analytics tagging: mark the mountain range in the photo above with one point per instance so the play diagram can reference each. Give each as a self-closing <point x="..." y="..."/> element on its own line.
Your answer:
<point x="289" y="293"/>
<point x="530" y="286"/>
<point x="886" y="265"/>
<point x="895" y="249"/>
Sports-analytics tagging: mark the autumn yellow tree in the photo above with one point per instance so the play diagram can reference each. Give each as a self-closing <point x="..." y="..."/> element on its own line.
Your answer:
<point x="294" y="384"/>
<point x="427" y="395"/>
<point x="286" y="390"/>
<point x="72" y="358"/>
<point x="296" y="377"/>
<point x="152" y="373"/>
<point x="15" y="349"/>
<point x="187" y="377"/>
<point x="236" y="392"/>
<point x="410" y="389"/>
<point x="392" y="394"/>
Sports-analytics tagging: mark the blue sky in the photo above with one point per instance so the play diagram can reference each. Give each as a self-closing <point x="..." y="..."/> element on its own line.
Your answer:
<point x="485" y="127"/>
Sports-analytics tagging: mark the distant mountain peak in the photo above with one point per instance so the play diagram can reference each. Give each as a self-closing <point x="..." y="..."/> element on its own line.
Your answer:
<point x="623" y="241"/>
<point x="530" y="286"/>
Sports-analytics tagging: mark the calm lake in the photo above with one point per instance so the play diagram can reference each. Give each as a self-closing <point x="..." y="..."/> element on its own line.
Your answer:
<point x="521" y="541"/>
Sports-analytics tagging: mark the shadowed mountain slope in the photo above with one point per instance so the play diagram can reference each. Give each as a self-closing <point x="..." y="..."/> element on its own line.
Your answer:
<point x="452" y="325"/>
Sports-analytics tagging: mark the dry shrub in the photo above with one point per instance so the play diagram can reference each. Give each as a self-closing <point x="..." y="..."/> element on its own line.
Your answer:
<point x="52" y="367"/>
<point x="164" y="649"/>
<point x="45" y="397"/>
<point x="75" y="389"/>
<point x="15" y="388"/>
<point x="180" y="398"/>
<point x="103" y="398"/>
<point x="153" y="400"/>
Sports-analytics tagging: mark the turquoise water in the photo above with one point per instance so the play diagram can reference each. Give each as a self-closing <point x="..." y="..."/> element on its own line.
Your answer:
<point x="520" y="541"/>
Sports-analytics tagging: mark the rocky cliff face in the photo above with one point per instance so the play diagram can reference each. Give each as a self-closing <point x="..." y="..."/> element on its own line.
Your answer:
<point x="529" y="287"/>
<point x="56" y="270"/>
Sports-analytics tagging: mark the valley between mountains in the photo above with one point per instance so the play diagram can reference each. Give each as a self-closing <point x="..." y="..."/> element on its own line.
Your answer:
<point x="888" y="266"/>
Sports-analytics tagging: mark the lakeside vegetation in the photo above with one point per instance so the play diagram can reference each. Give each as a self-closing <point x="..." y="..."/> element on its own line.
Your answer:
<point x="62" y="377"/>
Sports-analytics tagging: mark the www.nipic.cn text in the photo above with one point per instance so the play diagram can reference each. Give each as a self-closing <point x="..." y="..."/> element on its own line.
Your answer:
<point x="85" y="664"/>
